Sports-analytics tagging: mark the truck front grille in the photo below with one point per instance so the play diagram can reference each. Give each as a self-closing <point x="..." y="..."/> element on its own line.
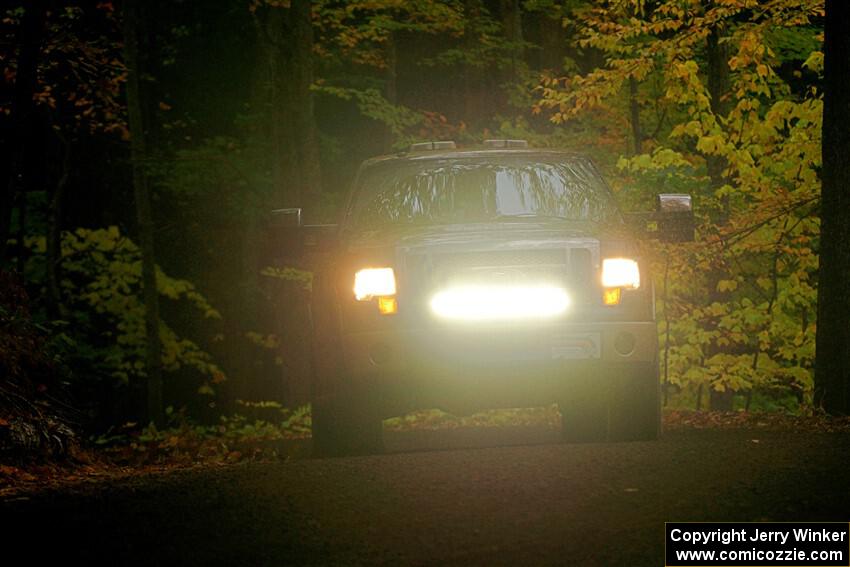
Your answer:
<point x="502" y="258"/>
<point x="571" y="267"/>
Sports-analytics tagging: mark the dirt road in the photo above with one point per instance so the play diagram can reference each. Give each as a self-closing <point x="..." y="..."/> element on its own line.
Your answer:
<point x="545" y="504"/>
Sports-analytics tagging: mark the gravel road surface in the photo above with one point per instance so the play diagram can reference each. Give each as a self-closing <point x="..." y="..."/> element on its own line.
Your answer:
<point x="539" y="504"/>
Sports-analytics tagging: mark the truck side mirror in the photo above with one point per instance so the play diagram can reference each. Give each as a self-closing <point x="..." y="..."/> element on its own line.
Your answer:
<point x="285" y="218"/>
<point x="285" y="235"/>
<point x="290" y="240"/>
<point x="671" y="221"/>
<point x="675" y="217"/>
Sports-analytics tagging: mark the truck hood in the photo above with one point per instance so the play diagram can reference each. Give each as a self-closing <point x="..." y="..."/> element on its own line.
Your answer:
<point x="502" y="235"/>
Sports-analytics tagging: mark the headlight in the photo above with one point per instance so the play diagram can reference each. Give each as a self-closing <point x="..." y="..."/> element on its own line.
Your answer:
<point x="374" y="282"/>
<point x="620" y="272"/>
<point x="485" y="303"/>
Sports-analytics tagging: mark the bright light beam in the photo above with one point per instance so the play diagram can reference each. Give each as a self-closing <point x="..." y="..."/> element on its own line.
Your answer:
<point x="373" y="282"/>
<point x="492" y="303"/>
<point x="620" y="272"/>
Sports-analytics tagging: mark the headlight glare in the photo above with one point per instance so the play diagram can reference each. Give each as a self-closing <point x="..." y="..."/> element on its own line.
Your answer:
<point x="374" y="282"/>
<point x="486" y="303"/>
<point x="620" y="272"/>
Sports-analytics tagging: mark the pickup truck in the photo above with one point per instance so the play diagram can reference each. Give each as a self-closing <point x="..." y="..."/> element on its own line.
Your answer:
<point x="489" y="277"/>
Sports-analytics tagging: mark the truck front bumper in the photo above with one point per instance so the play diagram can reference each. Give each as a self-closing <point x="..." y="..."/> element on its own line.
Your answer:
<point x="472" y="367"/>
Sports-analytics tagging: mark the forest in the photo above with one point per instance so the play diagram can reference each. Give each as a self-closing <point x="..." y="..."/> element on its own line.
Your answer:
<point x="144" y="144"/>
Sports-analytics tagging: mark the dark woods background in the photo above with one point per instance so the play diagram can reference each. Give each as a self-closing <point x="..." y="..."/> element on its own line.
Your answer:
<point x="252" y="105"/>
<point x="232" y="130"/>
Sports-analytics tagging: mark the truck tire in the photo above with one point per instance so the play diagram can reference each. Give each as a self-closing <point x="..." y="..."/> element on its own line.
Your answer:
<point x="617" y="404"/>
<point x="584" y="410"/>
<point x="346" y="425"/>
<point x="344" y="416"/>
<point x="635" y="408"/>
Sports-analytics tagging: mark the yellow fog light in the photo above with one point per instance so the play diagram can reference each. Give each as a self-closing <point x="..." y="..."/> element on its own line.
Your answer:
<point x="374" y="282"/>
<point x="387" y="305"/>
<point x="611" y="296"/>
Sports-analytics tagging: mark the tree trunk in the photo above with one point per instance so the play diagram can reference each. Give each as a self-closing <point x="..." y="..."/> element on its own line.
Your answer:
<point x="512" y="22"/>
<point x="152" y="400"/>
<point x="15" y="126"/>
<point x="270" y="98"/>
<point x="718" y="87"/>
<point x="391" y="85"/>
<point x="285" y="42"/>
<point x="634" y="107"/>
<point x="308" y="174"/>
<point x="552" y="42"/>
<point x="832" y="366"/>
<point x="306" y="179"/>
<point x="471" y="73"/>
<point x="53" y="250"/>
<point x="23" y="253"/>
<point x="512" y="25"/>
<point x="665" y="389"/>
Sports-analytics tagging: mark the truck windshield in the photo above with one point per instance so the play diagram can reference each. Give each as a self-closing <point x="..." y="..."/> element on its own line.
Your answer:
<point x="467" y="190"/>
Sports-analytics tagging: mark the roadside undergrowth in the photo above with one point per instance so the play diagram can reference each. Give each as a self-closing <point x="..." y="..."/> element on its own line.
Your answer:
<point x="284" y="434"/>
